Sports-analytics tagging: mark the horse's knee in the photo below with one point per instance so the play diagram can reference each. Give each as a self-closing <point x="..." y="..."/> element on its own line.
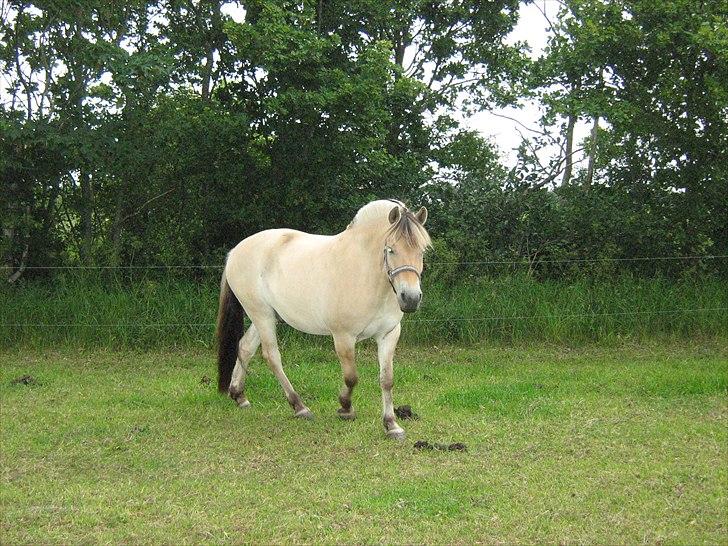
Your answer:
<point x="346" y="354"/>
<point x="345" y="351"/>
<point x="386" y="381"/>
<point x="351" y="379"/>
<point x="244" y="352"/>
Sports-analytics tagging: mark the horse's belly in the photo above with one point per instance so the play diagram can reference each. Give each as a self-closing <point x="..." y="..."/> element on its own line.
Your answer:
<point x="299" y="309"/>
<point x="306" y="323"/>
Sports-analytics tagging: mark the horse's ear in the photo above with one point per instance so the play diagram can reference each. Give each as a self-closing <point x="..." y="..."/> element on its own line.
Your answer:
<point x="421" y="215"/>
<point x="394" y="215"/>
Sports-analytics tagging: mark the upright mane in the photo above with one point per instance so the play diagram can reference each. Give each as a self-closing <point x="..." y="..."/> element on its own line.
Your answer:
<point x="376" y="214"/>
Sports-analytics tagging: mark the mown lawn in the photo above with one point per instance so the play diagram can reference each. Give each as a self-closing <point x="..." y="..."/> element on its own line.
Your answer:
<point x="602" y="445"/>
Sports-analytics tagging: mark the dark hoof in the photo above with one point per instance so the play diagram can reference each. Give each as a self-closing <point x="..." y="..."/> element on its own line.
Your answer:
<point x="239" y="399"/>
<point x="305" y="413"/>
<point x="396" y="434"/>
<point x="346" y="415"/>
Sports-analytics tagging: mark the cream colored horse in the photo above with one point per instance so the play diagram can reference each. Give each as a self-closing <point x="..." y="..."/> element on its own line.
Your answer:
<point x="352" y="286"/>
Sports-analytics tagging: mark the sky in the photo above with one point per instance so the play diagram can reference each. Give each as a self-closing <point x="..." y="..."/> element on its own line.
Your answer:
<point x="532" y="29"/>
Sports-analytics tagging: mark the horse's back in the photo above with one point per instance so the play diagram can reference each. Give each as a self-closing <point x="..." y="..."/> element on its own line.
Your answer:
<point x="265" y="252"/>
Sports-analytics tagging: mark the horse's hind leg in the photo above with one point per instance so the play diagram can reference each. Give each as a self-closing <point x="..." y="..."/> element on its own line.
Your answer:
<point x="246" y="349"/>
<point x="266" y="326"/>
<point x="344" y="345"/>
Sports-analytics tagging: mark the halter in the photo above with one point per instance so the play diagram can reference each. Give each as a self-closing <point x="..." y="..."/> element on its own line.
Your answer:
<point x="391" y="273"/>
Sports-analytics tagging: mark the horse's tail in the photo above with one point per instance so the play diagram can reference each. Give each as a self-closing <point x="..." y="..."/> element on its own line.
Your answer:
<point x="229" y="331"/>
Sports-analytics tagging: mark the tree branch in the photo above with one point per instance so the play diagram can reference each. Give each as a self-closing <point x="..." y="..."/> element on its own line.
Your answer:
<point x="545" y="133"/>
<point x="143" y="205"/>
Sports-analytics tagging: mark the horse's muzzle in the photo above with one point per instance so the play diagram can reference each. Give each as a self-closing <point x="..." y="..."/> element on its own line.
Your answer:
<point x="409" y="301"/>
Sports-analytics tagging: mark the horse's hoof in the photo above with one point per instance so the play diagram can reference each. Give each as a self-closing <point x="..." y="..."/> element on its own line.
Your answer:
<point x="346" y="415"/>
<point x="243" y="403"/>
<point x="396" y="434"/>
<point x="305" y="413"/>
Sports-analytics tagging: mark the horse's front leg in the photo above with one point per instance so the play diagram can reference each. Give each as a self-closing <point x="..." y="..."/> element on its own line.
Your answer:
<point x="344" y="345"/>
<point x="385" y="351"/>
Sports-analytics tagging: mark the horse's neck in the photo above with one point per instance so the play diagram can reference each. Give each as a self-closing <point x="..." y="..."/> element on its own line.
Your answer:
<point x="366" y="254"/>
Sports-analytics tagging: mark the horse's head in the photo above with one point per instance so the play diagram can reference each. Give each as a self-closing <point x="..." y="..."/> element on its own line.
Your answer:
<point x="405" y="243"/>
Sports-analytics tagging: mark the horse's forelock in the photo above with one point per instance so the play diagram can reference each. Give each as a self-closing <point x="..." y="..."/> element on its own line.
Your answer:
<point x="411" y="230"/>
<point x="407" y="227"/>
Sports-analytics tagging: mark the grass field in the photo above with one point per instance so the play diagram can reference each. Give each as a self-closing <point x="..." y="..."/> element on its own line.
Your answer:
<point x="597" y="445"/>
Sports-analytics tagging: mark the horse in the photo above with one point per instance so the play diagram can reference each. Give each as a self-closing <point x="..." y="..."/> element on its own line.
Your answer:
<point x="352" y="286"/>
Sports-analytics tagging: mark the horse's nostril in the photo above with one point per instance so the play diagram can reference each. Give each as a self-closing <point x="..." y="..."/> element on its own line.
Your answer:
<point x="410" y="301"/>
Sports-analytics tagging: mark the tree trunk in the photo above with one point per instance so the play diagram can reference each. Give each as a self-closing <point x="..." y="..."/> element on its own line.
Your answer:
<point x="77" y="94"/>
<point x="212" y="45"/>
<point x="24" y="256"/>
<point x="207" y="74"/>
<point x="592" y="153"/>
<point x="400" y="45"/>
<point x="86" y="215"/>
<point x="23" y="262"/>
<point x="395" y="128"/>
<point x="10" y="222"/>
<point x="9" y="236"/>
<point x="569" y="159"/>
<point x="320" y="16"/>
<point x="116" y="229"/>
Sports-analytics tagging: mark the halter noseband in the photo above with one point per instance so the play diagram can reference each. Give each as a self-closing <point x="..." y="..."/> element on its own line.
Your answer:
<point x="391" y="273"/>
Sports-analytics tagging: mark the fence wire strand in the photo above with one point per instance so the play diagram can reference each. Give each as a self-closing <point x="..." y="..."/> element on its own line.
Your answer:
<point x="521" y="261"/>
<point x="406" y="321"/>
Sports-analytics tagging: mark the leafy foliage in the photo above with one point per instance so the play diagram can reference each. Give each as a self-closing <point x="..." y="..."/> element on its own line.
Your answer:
<point x="164" y="131"/>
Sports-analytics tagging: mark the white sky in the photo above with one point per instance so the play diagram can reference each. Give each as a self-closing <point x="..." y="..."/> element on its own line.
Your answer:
<point x="532" y="29"/>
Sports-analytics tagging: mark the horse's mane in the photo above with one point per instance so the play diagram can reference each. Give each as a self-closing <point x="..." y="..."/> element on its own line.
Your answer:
<point x="407" y="227"/>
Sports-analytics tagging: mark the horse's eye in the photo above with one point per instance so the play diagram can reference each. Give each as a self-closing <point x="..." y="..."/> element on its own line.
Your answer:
<point x="390" y="250"/>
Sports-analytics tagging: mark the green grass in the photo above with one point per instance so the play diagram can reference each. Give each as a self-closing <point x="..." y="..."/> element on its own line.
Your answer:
<point x="595" y="444"/>
<point x="180" y="313"/>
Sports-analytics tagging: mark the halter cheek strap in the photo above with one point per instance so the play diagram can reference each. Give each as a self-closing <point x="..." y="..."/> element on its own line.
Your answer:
<point x="391" y="273"/>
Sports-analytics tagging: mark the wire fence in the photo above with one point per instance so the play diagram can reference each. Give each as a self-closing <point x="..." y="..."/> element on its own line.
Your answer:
<point x="520" y="261"/>
<point x="452" y="319"/>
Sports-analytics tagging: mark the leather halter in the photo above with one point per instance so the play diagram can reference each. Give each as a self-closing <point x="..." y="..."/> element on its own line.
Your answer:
<point x="391" y="273"/>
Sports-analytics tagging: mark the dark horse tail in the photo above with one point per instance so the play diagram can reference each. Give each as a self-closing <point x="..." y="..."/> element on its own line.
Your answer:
<point x="229" y="331"/>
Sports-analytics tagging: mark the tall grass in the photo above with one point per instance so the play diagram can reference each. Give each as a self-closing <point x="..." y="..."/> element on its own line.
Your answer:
<point x="522" y="309"/>
<point x="83" y="310"/>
